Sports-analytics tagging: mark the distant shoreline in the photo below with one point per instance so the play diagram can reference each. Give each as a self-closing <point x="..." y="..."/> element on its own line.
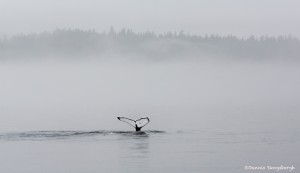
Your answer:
<point x="72" y="43"/>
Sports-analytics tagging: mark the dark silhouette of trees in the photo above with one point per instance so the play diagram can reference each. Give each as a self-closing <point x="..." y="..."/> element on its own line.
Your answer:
<point x="76" y="43"/>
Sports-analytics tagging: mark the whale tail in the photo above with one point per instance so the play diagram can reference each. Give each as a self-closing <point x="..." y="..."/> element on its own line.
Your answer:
<point x="137" y="124"/>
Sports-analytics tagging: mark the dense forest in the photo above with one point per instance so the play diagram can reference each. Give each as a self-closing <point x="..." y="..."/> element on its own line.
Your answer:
<point x="80" y="44"/>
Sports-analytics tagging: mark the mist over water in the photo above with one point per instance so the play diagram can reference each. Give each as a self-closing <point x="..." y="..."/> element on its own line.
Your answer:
<point x="215" y="104"/>
<point x="175" y="95"/>
<point x="212" y="116"/>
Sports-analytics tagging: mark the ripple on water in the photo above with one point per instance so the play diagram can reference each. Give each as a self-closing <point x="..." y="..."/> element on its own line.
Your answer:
<point x="56" y="135"/>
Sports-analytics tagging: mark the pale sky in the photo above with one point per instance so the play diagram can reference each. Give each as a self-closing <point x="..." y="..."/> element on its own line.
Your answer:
<point x="237" y="17"/>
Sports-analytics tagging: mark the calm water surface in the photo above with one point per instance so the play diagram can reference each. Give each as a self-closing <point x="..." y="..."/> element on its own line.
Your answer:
<point x="204" y="150"/>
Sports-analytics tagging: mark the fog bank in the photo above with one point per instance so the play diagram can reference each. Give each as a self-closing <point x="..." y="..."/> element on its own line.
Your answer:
<point x="89" y="96"/>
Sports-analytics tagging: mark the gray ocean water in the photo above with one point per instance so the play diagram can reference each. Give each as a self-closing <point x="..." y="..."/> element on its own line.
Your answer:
<point x="205" y="118"/>
<point x="205" y="150"/>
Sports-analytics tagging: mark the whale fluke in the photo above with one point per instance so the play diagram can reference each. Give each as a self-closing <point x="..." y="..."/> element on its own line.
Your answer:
<point x="137" y="124"/>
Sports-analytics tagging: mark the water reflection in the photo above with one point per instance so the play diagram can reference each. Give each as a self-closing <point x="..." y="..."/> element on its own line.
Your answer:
<point x="135" y="144"/>
<point x="140" y="145"/>
<point x="134" y="151"/>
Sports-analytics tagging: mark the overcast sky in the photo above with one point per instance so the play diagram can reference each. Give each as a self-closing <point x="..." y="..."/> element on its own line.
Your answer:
<point x="238" y="17"/>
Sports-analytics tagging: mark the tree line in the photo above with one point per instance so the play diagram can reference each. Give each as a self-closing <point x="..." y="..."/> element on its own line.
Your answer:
<point x="76" y="43"/>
